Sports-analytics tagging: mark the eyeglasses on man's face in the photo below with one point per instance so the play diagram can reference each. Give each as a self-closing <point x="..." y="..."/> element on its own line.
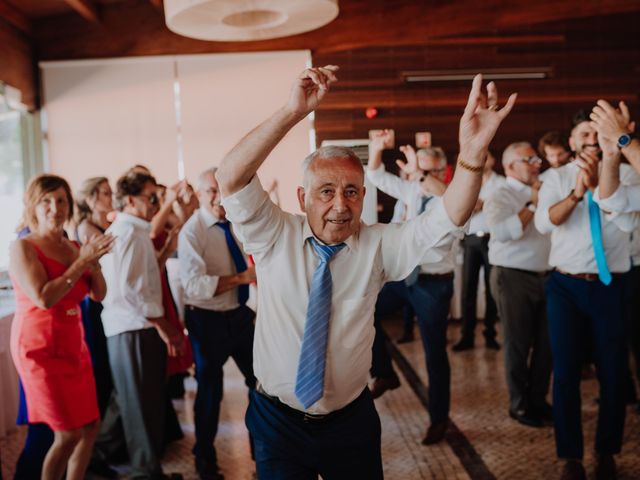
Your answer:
<point x="532" y="160"/>
<point x="153" y="197"/>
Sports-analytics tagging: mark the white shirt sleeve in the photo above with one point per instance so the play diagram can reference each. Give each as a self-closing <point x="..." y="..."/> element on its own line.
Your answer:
<point x="549" y="195"/>
<point x="137" y="279"/>
<point x="427" y="238"/>
<point x="390" y="184"/>
<point x="257" y="221"/>
<point x="193" y="269"/>
<point x="504" y="225"/>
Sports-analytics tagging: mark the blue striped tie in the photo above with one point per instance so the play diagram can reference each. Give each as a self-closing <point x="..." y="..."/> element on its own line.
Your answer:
<point x="311" y="365"/>
<point x="596" y="240"/>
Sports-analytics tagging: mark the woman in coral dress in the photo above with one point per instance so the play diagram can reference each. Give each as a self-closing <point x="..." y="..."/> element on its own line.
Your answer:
<point x="51" y="275"/>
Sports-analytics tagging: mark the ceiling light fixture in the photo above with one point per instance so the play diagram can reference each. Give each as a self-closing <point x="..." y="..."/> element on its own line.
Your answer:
<point x="245" y="20"/>
<point x="487" y="74"/>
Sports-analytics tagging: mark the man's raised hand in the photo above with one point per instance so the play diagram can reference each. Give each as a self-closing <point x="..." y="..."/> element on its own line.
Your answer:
<point x="480" y="120"/>
<point x="310" y="88"/>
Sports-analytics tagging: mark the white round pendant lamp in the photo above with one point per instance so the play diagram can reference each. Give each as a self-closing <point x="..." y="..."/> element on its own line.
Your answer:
<point x="245" y="20"/>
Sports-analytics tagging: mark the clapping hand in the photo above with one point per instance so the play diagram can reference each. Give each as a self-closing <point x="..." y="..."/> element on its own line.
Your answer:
<point x="611" y="123"/>
<point x="310" y="88"/>
<point x="588" y="175"/>
<point x="480" y="121"/>
<point x="95" y="247"/>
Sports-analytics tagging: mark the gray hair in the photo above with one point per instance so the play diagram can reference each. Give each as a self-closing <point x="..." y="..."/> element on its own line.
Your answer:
<point x="201" y="183"/>
<point x="331" y="151"/>
<point x="436" y="152"/>
<point x="510" y="154"/>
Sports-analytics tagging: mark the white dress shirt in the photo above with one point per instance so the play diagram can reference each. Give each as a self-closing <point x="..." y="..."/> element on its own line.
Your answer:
<point x="571" y="246"/>
<point x="285" y="264"/>
<point x="204" y="257"/>
<point x="478" y="222"/>
<point x="510" y="245"/>
<point x="410" y="193"/>
<point x="134" y="291"/>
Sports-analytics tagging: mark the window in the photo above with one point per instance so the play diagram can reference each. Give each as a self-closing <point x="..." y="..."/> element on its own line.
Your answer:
<point x="16" y="166"/>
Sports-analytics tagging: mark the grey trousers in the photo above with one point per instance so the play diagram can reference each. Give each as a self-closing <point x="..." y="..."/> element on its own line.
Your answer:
<point x="138" y="363"/>
<point x="520" y="299"/>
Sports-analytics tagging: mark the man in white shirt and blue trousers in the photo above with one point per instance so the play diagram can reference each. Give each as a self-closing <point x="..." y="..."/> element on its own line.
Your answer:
<point x="430" y="287"/>
<point x="519" y="256"/>
<point x="590" y="254"/>
<point x="215" y="278"/>
<point x="312" y="413"/>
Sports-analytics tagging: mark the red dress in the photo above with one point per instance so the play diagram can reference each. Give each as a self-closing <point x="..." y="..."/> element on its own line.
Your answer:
<point x="51" y="356"/>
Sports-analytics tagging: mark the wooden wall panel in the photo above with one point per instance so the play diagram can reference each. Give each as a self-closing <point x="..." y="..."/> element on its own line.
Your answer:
<point x="17" y="63"/>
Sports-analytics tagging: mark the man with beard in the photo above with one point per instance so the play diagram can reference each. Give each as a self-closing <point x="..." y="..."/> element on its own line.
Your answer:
<point x="216" y="278"/>
<point x="590" y="254"/>
<point x="519" y="256"/>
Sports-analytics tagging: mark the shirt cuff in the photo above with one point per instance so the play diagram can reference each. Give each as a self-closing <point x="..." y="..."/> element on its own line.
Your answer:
<point x="439" y="221"/>
<point x="615" y="203"/>
<point x="202" y="287"/>
<point x="152" y="310"/>
<point x="375" y="176"/>
<point x="242" y="205"/>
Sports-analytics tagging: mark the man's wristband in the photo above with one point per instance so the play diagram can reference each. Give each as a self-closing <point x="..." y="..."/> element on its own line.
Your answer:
<point x="469" y="167"/>
<point x="574" y="198"/>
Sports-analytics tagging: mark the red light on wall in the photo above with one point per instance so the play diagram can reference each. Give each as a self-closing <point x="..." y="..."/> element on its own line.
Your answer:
<point x="371" y="112"/>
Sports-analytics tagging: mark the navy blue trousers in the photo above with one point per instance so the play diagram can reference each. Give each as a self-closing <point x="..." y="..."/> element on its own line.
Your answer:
<point x="577" y="308"/>
<point x="343" y="447"/>
<point x="216" y="336"/>
<point x="430" y="298"/>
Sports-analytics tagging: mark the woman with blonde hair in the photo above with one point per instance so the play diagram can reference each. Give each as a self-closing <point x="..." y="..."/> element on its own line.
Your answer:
<point x="94" y="202"/>
<point x="51" y="275"/>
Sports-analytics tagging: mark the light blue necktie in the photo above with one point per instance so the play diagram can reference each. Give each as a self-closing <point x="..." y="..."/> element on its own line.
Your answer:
<point x="413" y="276"/>
<point x="596" y="240"/>
<point x="311" y="365"/>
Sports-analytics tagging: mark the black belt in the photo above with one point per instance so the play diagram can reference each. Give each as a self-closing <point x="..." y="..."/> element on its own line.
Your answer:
<point x="435" y="276"/>
<point x="223" y="313"/>
<point x="589" y="277"/>
<point x="310" y="417"/>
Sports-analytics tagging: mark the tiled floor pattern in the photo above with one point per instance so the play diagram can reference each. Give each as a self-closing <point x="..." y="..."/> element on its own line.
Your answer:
<point x="479" y="410"/>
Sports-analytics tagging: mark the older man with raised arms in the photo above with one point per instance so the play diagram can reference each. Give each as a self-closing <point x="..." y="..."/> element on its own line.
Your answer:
<point x="312" y="412"/>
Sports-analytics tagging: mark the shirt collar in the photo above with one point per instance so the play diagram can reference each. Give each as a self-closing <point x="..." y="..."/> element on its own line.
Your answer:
<point x="517" y="185"/>
<point x="307" y="233"/>
<point x="208" y="218"/>
<point x="133" y="220"/>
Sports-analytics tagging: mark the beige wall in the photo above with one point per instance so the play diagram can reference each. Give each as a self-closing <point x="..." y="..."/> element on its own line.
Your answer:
<point x="105" y="115"/>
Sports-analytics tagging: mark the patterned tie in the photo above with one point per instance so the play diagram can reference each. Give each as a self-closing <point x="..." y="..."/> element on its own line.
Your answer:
<point x="596" y="240"/>
<point x="413" y="276"/>
<point x="311" y="365"/>
<point x="238" y="259"/>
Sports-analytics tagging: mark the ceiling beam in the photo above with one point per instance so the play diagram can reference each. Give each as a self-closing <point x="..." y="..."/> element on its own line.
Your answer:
<point x="85" y="8"/>
<point x="15" y="17"/>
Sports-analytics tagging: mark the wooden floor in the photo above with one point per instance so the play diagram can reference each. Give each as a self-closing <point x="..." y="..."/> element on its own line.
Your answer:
<point x="482" y="443"/>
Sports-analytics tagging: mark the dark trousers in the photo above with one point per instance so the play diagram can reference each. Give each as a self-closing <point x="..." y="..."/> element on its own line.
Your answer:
<point x="632" y="314"/>
<point x="521" y="303"/>
<point x="476" y="255"/>
<point x="577" y="308"/>
<point x="216" y="336"/>
<point x="39" y="440"/>
<point x="430" y="298"/>
<point x="138" y="362"/>
<point x="345" y="446"/>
